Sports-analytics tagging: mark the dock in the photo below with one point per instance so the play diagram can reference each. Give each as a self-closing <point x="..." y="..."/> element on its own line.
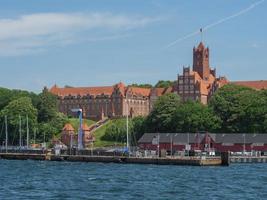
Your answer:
<point x="248" y="159"/>
<point x="191" y="161"/>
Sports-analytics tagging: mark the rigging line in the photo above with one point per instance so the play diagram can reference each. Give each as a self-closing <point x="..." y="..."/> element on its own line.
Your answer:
<point x="241" y="12"/>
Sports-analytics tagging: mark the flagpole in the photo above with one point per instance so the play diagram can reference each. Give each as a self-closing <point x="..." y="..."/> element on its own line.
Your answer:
<point x="201" y="33"/>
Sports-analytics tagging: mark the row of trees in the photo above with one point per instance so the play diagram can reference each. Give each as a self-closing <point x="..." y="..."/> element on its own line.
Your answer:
<point x="159" y="84"/>
<point x="233" y="109"/>
<point x="41" y="110"/>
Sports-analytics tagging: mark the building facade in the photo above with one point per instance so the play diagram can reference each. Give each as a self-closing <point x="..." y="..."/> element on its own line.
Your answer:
<point x="110" y="101"/>
<point x="198" y="83"/>
<point x="201" y="82"/>
<point x="221" y="142"/>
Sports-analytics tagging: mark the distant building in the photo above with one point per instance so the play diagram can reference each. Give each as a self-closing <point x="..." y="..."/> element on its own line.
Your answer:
<point x="198" y="83"/>
<point x="221" y="142"/>
<point x="257" y="85"/>
<point x="70" y="137"/>
<point x="109" y="101"/>
<point x="201" y="82"/>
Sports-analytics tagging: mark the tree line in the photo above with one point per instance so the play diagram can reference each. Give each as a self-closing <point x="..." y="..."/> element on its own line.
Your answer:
<point x="232" y="109"/>
<point x="44" y="120"/>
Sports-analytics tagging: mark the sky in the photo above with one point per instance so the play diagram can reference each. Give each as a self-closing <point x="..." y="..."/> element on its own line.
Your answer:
<point x="103" y="42"/>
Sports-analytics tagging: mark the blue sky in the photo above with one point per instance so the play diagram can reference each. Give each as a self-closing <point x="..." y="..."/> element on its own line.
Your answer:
<point x="102" y="42"/>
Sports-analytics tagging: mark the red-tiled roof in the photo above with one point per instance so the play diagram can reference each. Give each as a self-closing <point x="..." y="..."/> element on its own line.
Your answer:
<point x="68" y="127"/>
<point x="258" y="85"/>
<point x="85" y="127"/>
<point x="158" y="91"/>
<point x="82" y="91"/>
<point x="205" y="85"/>
<point x="168" y="90"/>
<point x="201" y="46"/>
<point x="140" y="91"/>
<point x="121" y="88"/>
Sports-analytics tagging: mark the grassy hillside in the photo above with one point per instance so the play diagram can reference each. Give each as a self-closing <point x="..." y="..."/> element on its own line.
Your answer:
<point x="99" y="133"/>
<point x="75" y="122"/>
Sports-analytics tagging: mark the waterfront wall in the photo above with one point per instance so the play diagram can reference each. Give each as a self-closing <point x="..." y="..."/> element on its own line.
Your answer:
<point x="194" y="161"/>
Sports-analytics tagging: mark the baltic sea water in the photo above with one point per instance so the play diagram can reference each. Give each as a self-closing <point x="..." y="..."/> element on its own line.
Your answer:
<point x="66" y="180"/>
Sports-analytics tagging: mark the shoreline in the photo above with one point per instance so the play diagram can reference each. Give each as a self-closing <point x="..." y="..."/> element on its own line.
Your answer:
<point x="192" y="161"/>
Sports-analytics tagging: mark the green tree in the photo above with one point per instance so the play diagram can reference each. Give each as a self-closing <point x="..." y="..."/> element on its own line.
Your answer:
<point x="7" y="96"/>
<point x="141" y="85"/>
<point x="164" y="84"/>
<point x="47" y="130"/>
<point x="241" y="109"/>
<point x="47" y="107"/>
<point x="139" y="128"/>
<point x="194" y="117"/>
<point x="160" y="118"/>
<point x="20" y="107"/>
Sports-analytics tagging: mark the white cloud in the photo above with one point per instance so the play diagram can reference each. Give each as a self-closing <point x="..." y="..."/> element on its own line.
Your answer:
<point x="34" y="32"/>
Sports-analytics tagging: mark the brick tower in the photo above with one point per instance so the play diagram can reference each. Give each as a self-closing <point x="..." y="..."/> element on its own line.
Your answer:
<point x="201" y="61"/>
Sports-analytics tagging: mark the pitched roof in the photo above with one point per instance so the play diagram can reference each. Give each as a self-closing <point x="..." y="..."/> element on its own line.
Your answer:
<point x="140" y="91"/>
<point x="68" y="127"/>
<point x="159" y="91"/>
<point x="181" y="138"/>
<point x="85" y="127"/>
<point x="201" y="46"/>
<point x="82" y="91"/>
<point x="258" y="85"/>
<point x="205" y="85"/>
<point x="168" y="90"/>
<point x="184" y="138"/>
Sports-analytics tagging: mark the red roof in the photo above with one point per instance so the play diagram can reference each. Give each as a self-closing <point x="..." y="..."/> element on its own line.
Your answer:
<point x="82" y="91"/>
<point x="201" y="46"/>
<point x="258" y="85"/>
<point x="68" y="127"/>
<point x="158" y="91"/>
<point x="85" y="127"/>
<point x="140" y="91"/>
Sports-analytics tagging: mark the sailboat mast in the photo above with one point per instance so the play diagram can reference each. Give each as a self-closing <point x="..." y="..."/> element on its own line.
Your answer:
<point x="6" y="132"/>
<point x="34" y="136"/>
<point x="20" y="135"/>
<point x="27" y="131"/>
<point x="127" y="122"/>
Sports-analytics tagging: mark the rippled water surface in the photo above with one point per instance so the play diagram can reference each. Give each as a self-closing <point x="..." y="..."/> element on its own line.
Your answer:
<point x="65" y="180"/>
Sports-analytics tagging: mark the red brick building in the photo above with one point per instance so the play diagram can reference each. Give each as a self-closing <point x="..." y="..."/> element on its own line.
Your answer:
<point x="109" y="101"/>
<point x="69" y="136"/>
<point x="222" y="142"/>
<point x="200" y="82"/>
